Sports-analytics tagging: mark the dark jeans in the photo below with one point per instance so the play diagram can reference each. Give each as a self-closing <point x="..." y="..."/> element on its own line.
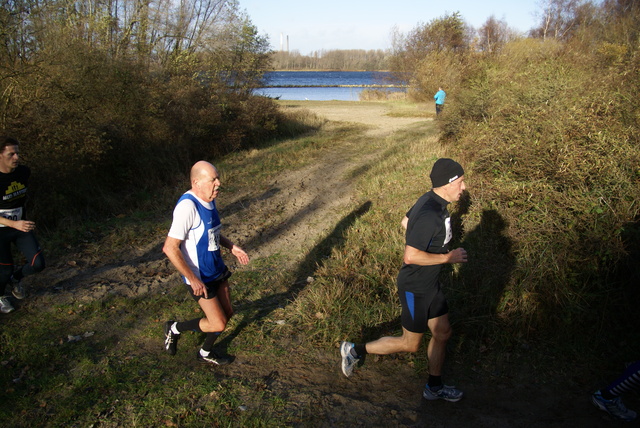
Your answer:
<point x="28" y="246"/>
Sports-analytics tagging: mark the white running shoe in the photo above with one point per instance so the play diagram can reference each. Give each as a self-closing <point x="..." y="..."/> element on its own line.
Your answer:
<point x="349" y="362"/>
<point x="5" y="305"/>
<point x="213" y="358"/>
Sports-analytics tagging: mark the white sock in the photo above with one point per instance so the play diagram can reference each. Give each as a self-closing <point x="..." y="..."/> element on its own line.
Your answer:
<point x="174" y="330"/>
<point x="204" y="353"/>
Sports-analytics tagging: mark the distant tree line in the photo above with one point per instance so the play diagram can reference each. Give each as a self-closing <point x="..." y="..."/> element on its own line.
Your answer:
<point x="347" y="59"/>
<point x="449" y="32"/>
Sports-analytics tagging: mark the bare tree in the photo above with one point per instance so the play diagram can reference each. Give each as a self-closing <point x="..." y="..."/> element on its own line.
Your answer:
<point x="494" y="34"/>
<point x="558" y="18"/>
<point x="440" y="39"/>
<point x="448" y="33"/>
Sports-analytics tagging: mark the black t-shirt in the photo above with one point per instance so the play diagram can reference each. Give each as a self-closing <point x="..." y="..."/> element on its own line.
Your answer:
<point x="428" y="229"/>
<point x="13" y="189"/>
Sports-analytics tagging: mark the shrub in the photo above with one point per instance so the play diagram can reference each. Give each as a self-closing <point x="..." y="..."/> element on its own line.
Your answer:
<point x="553" y="146"/>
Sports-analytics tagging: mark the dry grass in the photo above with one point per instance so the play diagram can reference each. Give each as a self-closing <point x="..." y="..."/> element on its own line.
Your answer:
<point x="552" y="151"/>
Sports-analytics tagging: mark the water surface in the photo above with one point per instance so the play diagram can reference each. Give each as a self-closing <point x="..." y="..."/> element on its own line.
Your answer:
<point x="324" y="85"/>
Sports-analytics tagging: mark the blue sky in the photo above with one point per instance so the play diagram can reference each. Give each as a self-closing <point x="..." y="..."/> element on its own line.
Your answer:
<point x="359" y="24"/>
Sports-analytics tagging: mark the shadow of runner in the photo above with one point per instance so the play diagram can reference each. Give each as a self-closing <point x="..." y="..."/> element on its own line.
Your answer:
<point x="481" y="282"/>
<point x="613" y="301"/>
<point x="245" y="203"/>
<point x="457" y="225"/>
<point x="264" y="306"/>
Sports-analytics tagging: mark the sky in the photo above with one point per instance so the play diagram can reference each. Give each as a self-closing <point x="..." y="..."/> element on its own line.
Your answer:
<point x="367" y="24"/>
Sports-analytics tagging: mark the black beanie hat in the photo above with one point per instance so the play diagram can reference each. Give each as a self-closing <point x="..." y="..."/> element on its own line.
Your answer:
<point x="445" y="171"/>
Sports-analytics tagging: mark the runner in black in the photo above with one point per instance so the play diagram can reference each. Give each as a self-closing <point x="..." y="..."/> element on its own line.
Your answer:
<point x="14" y="227"/>
<point x="423" y="303"/>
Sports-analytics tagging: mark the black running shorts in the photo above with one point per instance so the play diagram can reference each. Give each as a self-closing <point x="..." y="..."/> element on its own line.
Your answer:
<point x="212" y="286"/>
<point x="418" y="309"/>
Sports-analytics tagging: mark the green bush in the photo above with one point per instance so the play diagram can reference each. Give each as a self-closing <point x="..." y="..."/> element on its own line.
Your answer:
<point x="552" y="139"/>
<point x="108" y="111"/>
<point x="98" y="132"/>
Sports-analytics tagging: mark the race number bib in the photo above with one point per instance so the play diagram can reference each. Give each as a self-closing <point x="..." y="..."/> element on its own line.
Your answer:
<point x="214" y="238"/>
<point x="447" y="225"/>
<point x="14" y="214"/>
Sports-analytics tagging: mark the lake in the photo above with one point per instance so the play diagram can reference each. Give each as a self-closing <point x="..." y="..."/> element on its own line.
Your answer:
<point x="324" y="85"/>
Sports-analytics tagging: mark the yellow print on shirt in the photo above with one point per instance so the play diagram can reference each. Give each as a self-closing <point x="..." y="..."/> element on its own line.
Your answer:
<point x="14" y="190"/>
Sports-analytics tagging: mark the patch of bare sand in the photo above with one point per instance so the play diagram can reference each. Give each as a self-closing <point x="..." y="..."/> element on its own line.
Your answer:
<point x="297" y="208"/>
<point x="376" y="115"/>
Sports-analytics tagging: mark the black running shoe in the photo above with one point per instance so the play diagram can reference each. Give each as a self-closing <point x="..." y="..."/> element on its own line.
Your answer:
<point x="17" y="289"/>
<point x="214" y="359"/>
<point x="170" y="339"/>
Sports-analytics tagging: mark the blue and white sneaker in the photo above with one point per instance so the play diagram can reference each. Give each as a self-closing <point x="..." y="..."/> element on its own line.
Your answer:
<point x="348" y="361"/>
<point x="446" y="392"/>
<point x="615" y="407"/>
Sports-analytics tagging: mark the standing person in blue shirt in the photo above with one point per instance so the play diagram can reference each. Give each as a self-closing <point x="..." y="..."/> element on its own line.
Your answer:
<point x="14" y="226"/>
<point x="424" y="305"/>
<point x="193" y="247"/>
<point x="439" y="98"/>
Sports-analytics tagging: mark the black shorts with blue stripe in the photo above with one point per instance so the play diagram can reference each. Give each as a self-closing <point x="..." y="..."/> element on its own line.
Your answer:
<point x="418" y="308"/>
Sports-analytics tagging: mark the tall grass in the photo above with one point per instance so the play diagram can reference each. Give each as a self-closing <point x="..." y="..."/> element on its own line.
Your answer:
<point x="550" y="133"/>
<point x="355" y="293"/>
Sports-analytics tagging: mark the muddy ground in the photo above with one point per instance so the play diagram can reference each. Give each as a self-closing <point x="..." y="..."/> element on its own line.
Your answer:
<point x="385" y="391"/>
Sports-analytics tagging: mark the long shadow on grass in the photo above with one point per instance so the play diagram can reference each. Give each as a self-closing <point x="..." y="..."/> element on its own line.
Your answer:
<point x="245" y="203"/>
<point x="263" y="307"/>
<point x="481" y="282"/>
<point x="614" y="304"/>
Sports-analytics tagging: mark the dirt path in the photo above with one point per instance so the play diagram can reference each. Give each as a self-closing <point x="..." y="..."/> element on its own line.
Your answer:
<point x="297" y="209"/>
<point x="302" y="205"/>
